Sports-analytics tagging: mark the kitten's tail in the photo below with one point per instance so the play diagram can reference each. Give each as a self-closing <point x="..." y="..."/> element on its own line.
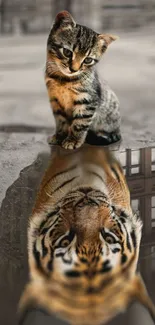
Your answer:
<point x="102" y="140"/>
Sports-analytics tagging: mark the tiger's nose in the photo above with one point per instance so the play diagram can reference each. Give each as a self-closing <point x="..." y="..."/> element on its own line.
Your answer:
<point x="86" y="190"/>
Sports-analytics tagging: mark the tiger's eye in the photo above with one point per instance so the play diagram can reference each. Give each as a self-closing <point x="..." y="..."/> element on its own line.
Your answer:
<point x="67" y="53"/>
<point x="88" y="60"/>
<point x="65" y="243"/>
<point x="110" y="240"/>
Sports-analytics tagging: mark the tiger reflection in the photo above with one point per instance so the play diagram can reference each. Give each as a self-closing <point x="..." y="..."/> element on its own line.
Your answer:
<point x="83" y="240"/>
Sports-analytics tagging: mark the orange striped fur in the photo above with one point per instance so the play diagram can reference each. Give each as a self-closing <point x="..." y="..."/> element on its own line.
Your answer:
<point x="83" y="240"/>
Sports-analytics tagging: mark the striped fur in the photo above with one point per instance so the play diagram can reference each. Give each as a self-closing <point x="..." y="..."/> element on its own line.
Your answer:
<point x="83" y="240"/>
<point x="79" y="103"/>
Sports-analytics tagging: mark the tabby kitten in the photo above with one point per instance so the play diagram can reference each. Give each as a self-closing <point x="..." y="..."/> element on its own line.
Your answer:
<point x="81" y="107"/>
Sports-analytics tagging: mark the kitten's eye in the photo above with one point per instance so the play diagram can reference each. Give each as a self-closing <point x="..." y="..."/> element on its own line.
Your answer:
<point x="67" y="53"/>
<point x="88" y="60"/>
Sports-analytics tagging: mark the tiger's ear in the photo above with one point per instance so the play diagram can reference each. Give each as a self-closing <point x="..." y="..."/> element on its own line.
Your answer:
<point x="140" y="294"/>
<point x="64" y="19"/>
<point x="107" y="38"/>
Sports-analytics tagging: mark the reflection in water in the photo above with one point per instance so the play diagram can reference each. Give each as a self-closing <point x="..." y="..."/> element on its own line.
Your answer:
<point x="83" y="238"/>
<point x="14" y="212"/>
<point x="15" y="209"/>
<point x="139" y="168"/>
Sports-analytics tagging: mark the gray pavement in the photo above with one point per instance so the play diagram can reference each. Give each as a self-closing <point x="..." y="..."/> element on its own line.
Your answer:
<point x="17" y="152"/>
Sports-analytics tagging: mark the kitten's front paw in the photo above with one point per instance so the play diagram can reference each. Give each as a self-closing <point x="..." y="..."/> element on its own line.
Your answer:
<point x="70" y="143"/>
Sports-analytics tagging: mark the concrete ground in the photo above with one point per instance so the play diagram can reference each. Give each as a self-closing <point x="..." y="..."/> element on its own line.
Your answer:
<point x="25" y="120"/>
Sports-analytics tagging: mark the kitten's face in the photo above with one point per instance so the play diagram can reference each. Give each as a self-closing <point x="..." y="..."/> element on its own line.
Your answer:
<point x="73" y="48"/>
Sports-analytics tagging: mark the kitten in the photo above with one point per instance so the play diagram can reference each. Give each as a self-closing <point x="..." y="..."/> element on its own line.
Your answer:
<point x="82" y="109"/>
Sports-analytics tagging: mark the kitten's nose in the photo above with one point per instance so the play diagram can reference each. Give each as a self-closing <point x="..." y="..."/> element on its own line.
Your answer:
<point x="75" y="65"/>
<point x="73" y="70"/>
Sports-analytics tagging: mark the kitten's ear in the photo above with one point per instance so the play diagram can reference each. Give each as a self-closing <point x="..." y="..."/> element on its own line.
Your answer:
<point x="107" y="38"/>
<point x="64" y="19"/>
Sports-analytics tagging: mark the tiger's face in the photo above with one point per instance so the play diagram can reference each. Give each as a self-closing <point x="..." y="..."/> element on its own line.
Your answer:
<point x="80" y="250"/>
<point x="65" y="246"/>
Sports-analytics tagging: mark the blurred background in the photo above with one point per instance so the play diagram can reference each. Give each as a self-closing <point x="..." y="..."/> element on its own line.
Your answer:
<point x="128" y="65"/>
<point x="31" y="17"/>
